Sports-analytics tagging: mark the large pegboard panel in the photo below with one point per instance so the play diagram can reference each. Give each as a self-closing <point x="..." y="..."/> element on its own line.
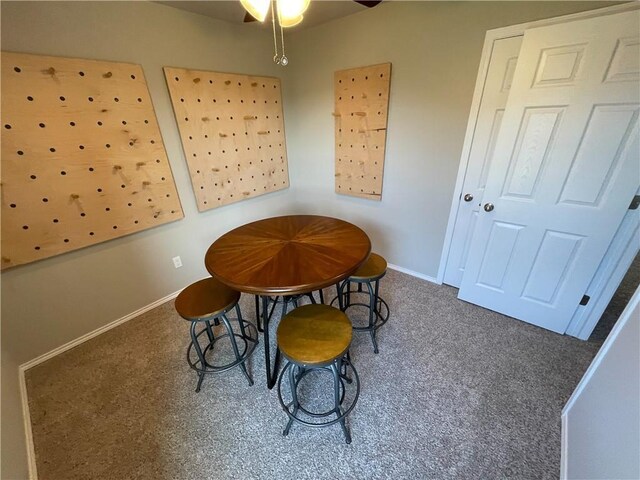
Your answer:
<point x="82" y="156"/>
<point x="232" y="130"/>
<point x="361" y="109"/>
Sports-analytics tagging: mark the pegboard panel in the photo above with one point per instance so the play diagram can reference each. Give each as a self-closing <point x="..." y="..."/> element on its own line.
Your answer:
<point x="232" y="131"/>
<point x="361" y="108"/>
<point x="82" y="156"/>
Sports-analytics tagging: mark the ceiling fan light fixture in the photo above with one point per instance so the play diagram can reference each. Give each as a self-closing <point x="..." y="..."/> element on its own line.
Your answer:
<point x="258" y="9"/>
<point x="290" y="11"/>
<point x="291" y="21"/>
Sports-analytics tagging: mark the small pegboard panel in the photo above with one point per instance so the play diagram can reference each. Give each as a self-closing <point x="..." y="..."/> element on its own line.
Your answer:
<point x="232" y="130"/>
<point x="82" y="156"/>
<point x="361" y="108"/>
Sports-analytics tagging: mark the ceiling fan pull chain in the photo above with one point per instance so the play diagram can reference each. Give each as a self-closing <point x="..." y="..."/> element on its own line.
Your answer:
<point x="276" y="58"/>
<point x="283" y="59"/>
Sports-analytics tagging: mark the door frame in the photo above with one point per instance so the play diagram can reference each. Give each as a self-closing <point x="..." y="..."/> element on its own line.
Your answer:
<point x="490" y="37"/>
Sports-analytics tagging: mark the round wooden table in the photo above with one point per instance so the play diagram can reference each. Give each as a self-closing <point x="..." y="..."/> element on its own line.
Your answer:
<point x="286" y="256"/>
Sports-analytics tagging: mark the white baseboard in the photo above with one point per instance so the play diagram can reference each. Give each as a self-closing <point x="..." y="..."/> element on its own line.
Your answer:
<point x="31" y="456"/>
<point x="563" y="446"/>
<point x="26" y="418"/>
<point x="413" y="273"/>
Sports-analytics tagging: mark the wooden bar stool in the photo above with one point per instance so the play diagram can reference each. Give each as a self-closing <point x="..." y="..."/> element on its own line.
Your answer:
<point x="316" y="338"/>
<point x="208" y="301"/>
<point x="368" y="274"/>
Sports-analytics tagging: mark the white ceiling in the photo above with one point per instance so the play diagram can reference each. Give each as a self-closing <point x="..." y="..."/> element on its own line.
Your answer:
<point x="319" y="11"/>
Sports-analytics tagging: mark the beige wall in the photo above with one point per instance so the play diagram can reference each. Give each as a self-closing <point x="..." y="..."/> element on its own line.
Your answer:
<point x="435" y="50"/>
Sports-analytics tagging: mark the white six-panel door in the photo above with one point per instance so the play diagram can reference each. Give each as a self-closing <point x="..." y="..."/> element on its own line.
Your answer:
<point x="564" y="170"/>
<point x="502" y="65"/>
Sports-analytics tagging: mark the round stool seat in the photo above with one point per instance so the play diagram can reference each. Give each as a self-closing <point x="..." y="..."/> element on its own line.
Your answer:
<point x="314" y="335"/>
<point x="374" y="267"/>
<point x="205" y="299"/>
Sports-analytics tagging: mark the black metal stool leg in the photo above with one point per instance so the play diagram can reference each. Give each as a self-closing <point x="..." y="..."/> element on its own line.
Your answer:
<point x="198" y="349"/>
<point x="240" y="321"/>
<point x="343" y="368"/>
<point x="372" y="314"/>
<point x="234" y="345"/>
<point x="200" y="379"/>
<point x="321" y="296"/>
<point x="209" y="331"/>
<point x="294" y="395"/>
<point x="336" y="397"/>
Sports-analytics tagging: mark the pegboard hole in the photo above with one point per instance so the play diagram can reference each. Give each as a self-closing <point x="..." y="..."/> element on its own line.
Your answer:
<point x="36" y="248"/>
<point x="25" y="227"/>
<point x="90" y="99"/>
<point x="73" y="124"/>
<point x="33" y="177"/>
<point x="91" y="169"/>
<point x="45" y="200"/>
<point x="99" y="124"/>
<point x="7" y="126"/>
<point x="55" y="220"/>
<point x="66" y="240"/>
<point x="62" y="99"/>
<point x="17" y="69"/>
<point x="91" y="233"/>
<point x="63" y="172"/>
<point x="81" y="74"/>
<point x="30" y="98"/>
<point x="81" y="147"/>
<point x="41" y="125"/>
<point x="116" y="99"/>
<point x="133" y="77"/>
<point x="52" y="150"/>
<point x="13" y="205"/>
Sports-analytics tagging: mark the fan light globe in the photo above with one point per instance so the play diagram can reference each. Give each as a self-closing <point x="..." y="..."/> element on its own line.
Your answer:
<point x="290" y="11"/>
<point x="258" y="9"/>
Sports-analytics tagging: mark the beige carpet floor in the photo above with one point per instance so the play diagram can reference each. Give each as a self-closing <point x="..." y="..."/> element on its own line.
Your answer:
<point x="456" y="391"/>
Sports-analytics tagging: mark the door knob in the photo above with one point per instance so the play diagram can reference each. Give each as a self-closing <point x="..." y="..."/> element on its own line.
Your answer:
<point x="488" y="207"/>
<point x="468" y="197"/>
